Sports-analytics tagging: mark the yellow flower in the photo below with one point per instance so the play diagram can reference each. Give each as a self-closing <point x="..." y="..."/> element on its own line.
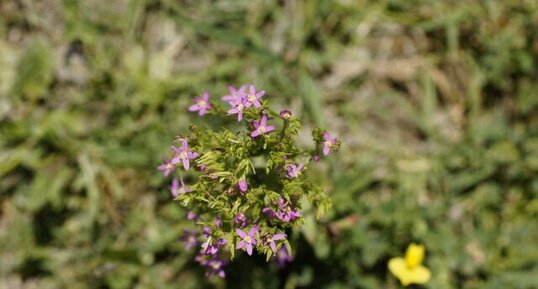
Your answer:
<point x="410" y="270"/>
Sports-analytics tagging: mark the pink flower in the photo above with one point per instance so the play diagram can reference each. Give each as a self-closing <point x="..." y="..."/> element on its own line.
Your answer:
<point x="167" y="167"/>
<point x="261" y="127"/>
<point x="248" y="239"/>
<point x="183" y="155"/>
<point x="234" y="93"/>
<point x="243" y="186"/>
<point x="293" y="170"/>
<point x="238" y="107"/>
<point x="176" y="190"/>
<point x="328" y="142"/>
<point x="214" y="267"/>
<point x="191" y="216"/>
<point x="271" y="240"/>
<point x="213" y="249"/>
<point x="283" y="257"/>
<point x="285" y="212"/>
<point x="285" y="114"/>
<point x="252" y="97"/>
<point x="189" y="238"/>
<point x="240" y="219"/>
<point x="201" y="104"/>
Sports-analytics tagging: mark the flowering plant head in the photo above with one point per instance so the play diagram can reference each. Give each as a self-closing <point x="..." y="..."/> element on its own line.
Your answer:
<point x="409" y="269"/>
<point x="248" y="182"/>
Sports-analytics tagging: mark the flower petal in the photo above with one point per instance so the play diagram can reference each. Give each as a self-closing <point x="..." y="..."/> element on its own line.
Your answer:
<point x="184" y="146"/>
<point x="176" y="150"/>
<point x="253" y="231"/>
<point x="420" y="275"/>
<point x="399" y="269"/>
<point x="263" y="121"/>
<point x="255" y="133"/>
<point x="186" y="164"/>
<point x="241" y="233"/>
<point x="273" y="246"/>
<point x="414" y="255"/>
<point x="279" y="236"/>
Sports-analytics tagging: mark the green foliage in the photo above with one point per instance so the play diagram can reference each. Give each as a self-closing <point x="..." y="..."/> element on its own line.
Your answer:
<point x="435" y="102"/>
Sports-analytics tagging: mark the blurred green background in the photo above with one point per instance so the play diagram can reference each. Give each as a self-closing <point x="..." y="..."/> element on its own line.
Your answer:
<point x="435" y="101"/>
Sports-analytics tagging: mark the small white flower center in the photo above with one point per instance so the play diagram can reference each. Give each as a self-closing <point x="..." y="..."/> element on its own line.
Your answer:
<point x="248" y="239"/>
<point x="183" y="155"/>
<point x="251" y="98"/>
<point x="202" y="103"/>
<point x="261" y="129"/>
<point x="328" y="143"/>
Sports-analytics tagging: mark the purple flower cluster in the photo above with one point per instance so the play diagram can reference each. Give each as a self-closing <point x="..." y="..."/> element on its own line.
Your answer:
<point x="213" y="249"/>
<point x="235" y="195"/>
<point x="208" y="255"/>
<point x="213" y="264"/>
<point x="234" y="93"/>
<point x="214" y="267"/>
<point x="181" y="155"/>
<point x="240" y="100"/>
<point x="285" y="212"/>
<point x="251" y="238"/>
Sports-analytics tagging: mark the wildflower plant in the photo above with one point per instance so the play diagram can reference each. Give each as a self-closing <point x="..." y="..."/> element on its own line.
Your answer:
<point x="250" y="180"/>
